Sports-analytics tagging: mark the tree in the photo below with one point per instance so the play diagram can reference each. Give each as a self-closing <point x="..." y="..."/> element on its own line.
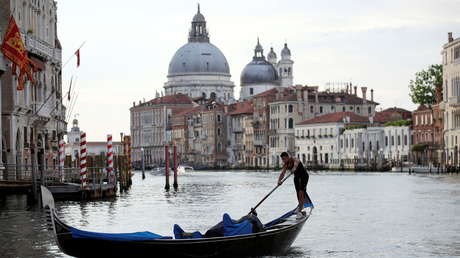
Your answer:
<point x="422" y="90"/>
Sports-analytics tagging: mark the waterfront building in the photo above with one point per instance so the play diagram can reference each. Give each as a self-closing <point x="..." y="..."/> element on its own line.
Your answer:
<point x="423" y="135"/>
<point x="151" y="127"/>
<point x="451" y="98"/>
<point x="261" y="74"/>
<point x="33" y="119"/>
<point x="240" y="133"/>
<point x="300" y="103"/>
<point x="317" y="139"/>
<point x="199" y="68"/>
<point x="206" y="136"/>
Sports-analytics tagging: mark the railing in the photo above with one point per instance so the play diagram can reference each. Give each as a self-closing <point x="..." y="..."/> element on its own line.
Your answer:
<point x="40" y="47"/>
<point x="23" y="173"/>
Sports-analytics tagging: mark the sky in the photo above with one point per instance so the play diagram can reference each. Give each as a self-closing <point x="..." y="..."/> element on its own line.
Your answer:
<point x="128" y="46"/>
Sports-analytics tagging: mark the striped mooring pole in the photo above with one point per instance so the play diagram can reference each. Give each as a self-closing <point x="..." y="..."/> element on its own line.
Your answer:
<point x="83" y="168"/>
<point x="61" y="159"/>
<point x="110" y="174"/>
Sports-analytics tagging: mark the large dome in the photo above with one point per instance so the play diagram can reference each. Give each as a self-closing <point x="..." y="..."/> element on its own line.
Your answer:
<point x="259" y="71"/>
<point x="198" y="58"/>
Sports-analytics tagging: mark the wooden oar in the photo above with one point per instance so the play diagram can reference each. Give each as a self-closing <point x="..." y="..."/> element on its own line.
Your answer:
<point x="253" y="210"/>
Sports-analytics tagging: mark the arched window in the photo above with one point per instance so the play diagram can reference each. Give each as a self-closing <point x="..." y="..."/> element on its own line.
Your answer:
<point x="213" y="95"/>
<point x="321" y="109"/>
<point x="291" y="123"/>
<point x="343" y="109"/>
<point x="357" y="109"/>
<point x="218" y="131"/>
<point x="290" y="108"/>
<point x="203" y="94"/>
<point x="311" y="109"/>
<point x="369" y="110"/>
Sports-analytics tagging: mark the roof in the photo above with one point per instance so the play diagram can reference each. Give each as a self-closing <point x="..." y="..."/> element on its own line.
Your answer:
<point x="395" y="109"/>
<point x="169" y="99"/>
<point x="336" y="117"/>
<point x="244" y="107"/>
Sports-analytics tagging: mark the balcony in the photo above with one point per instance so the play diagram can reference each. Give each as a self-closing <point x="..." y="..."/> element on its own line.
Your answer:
<point x="454" y="101"/>
<point x="259" y="142"/>
<point x="41" y="48"/>
<point x="238" y="129"/>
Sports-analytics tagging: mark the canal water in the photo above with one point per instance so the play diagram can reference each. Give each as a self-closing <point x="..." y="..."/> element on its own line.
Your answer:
<point x="355" y="215"/>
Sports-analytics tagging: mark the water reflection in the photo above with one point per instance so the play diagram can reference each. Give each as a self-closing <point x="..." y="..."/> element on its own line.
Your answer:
<point x="356" y="214"/>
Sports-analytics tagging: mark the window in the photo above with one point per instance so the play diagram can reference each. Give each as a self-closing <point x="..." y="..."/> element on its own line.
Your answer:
<point x="311" y="109"/>
<point x="369" y="110"/>
<point x="218" y="118"/>
<point x="357" y="109"/>
<point x="405" y="139"/>
<point x="392" y="140"/>
<point x="352" y="142"/>
<point x="321" y="109"/>
<point x="251" y="91"/>
<point x="456" y="52"/>
<point x="343" y="109"/>
<point x="291" y="123"/>
<point x="399" y="140"/>
<point x="218" y="131"/>
<point x="290" y="108"/>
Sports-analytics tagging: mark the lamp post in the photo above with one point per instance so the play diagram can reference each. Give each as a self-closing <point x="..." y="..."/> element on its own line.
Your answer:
<point x="143" y="163"/>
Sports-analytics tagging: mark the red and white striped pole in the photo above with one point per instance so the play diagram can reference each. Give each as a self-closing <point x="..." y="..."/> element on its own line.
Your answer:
<point x="61" y="160"/>
<point x="110" y="174"/>
<point x="83" y="159"/>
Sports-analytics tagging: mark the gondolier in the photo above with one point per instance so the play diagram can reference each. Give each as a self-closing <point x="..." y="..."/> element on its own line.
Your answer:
<point x="300" y="179"/>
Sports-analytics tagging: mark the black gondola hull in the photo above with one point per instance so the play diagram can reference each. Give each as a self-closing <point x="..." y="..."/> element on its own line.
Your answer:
<point x="272" y="242"/>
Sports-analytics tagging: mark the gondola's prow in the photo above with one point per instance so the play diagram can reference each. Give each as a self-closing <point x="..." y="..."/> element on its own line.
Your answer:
<point x="48" y="205"/>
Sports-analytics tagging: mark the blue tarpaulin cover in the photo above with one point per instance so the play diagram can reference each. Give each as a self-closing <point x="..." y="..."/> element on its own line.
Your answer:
<point x="136" y="236"/>
<point x="234" y="229"/>
<point x="178" y="233"/>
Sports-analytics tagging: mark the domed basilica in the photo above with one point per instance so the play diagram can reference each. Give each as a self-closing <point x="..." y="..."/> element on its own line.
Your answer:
<point x="200" y="69"/>
<point x="261" y="75"/>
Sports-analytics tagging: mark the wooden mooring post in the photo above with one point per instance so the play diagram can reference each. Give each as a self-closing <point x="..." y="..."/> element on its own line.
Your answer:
<point x="175" y="166"/>
<point x="167" y="167"/>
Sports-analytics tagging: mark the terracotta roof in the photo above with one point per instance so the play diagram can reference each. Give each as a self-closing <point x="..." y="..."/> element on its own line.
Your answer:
<point x="336" y="117"/>
<point x="396" y="109"/>
<point x="422" y="108"/>
<point x="244" y="107"/>
<point x="170" y="99"/>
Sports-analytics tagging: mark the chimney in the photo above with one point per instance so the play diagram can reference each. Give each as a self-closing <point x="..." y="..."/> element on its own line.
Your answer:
<point x="134" y="103"/>
<point x="305" y="95"/>
<point x="364" y="89"/>
<point x="356" y="91"/>
<point x="449" y="37"/>
<point x="372" y="95"/>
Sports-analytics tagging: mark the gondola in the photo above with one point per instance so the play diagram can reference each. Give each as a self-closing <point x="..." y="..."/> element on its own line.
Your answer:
<point x="275" y="239"/>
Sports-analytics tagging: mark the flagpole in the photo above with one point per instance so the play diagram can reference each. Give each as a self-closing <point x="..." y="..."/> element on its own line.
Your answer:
<point x="70" y="58"/>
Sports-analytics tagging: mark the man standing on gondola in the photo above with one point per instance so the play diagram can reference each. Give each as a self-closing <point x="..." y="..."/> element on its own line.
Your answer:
<point x="300" y="179"/>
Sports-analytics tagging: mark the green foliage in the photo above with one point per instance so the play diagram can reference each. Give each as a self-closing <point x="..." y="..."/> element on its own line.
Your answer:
<point x="351" y="127"/>
<point x="422" y="90"/>
<point x="399" y="123"/>
<point x="419" y="147"/>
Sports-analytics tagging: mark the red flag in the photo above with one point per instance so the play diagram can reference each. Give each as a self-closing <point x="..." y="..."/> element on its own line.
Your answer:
<point x="14" y="49"/>
<point x="78" y="57"/>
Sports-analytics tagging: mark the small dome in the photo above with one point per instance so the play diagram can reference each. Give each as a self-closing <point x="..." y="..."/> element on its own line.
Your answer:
<point x="198" y="58"/>
<point x="285" y="51"/>
<point x="198" y="18"/>
<point x="271" y="54"/>
<point x="259" y="71"/>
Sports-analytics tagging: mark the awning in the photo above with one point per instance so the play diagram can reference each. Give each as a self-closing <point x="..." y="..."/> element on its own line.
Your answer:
<point x="38" y="63"/>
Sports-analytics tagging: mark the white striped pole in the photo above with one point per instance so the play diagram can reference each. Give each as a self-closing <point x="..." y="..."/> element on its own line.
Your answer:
<point x="110" y="174"/>
<point x="61" y="160"/>
<point x="83" y="159"/>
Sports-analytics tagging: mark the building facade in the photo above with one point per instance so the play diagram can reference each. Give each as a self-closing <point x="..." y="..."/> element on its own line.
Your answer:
<point x="33" y="119"/>
<point x="151" y="123"/>
<point x="451" y="98"/>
